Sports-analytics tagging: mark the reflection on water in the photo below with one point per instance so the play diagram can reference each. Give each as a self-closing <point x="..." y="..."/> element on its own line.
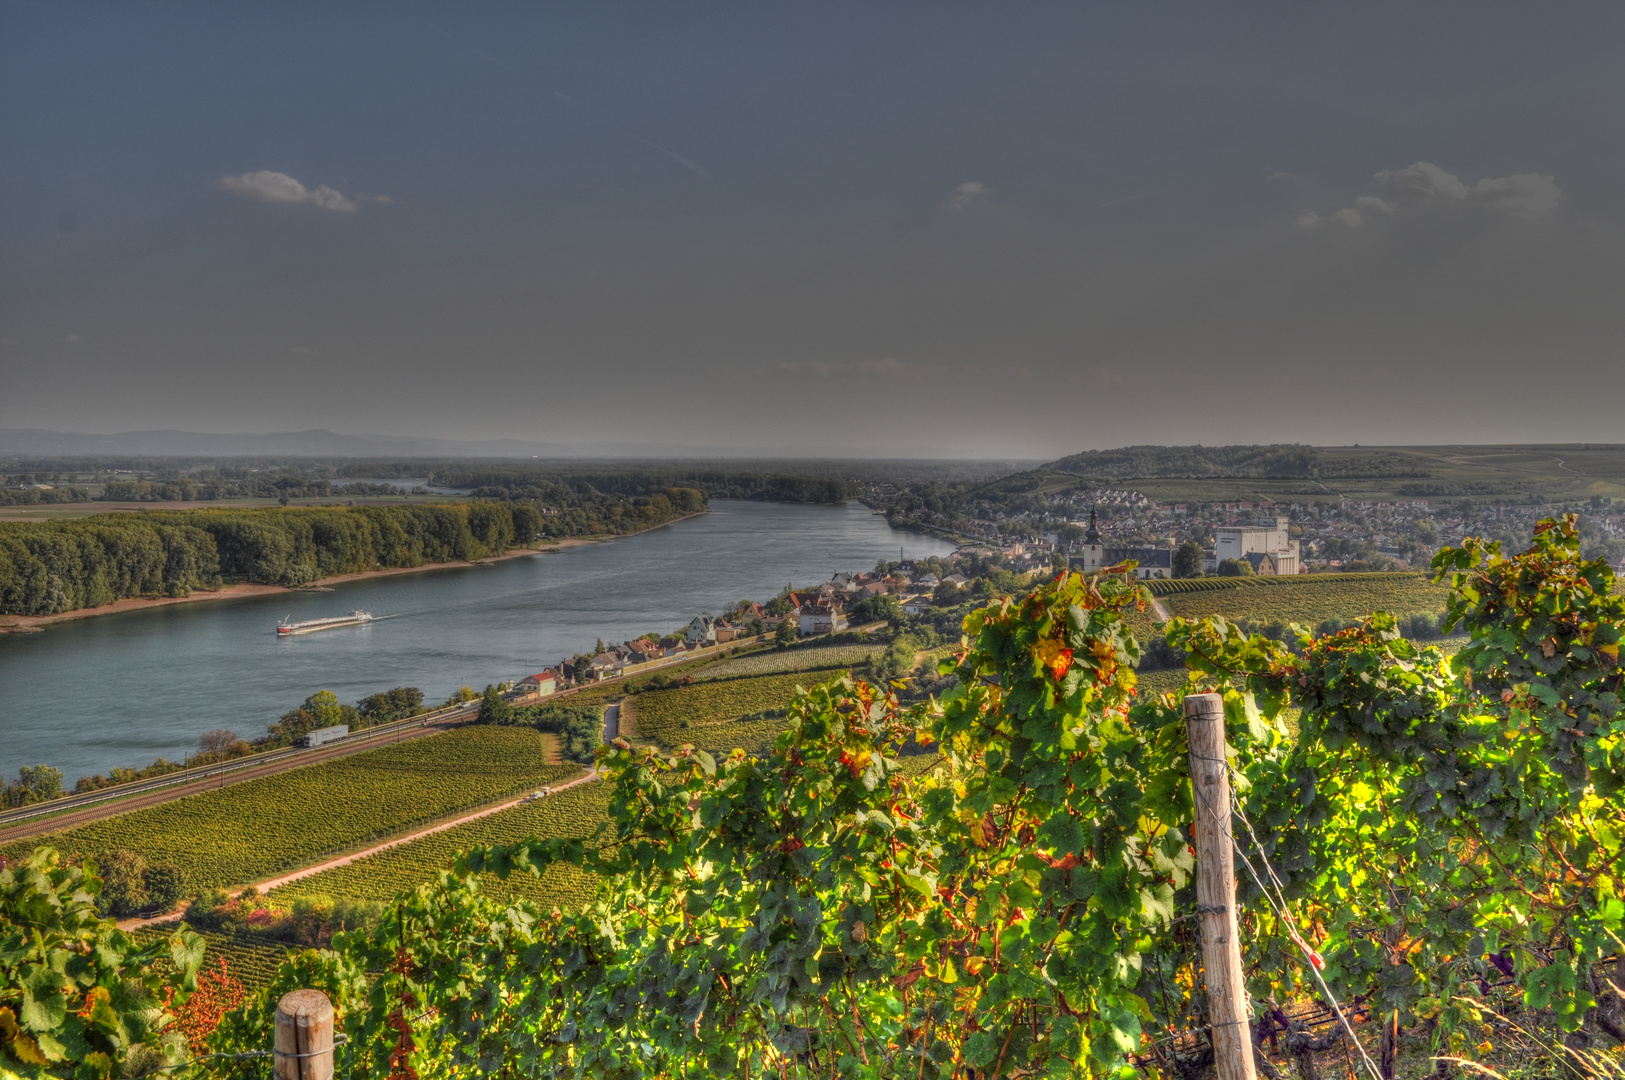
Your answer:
<point x="123" y="689"/>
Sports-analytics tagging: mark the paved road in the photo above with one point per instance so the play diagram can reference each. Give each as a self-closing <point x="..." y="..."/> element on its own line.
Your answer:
<point x="36" y="826"/>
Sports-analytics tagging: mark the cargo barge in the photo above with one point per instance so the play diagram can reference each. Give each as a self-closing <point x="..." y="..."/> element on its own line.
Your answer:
<point x="355" y="618"/>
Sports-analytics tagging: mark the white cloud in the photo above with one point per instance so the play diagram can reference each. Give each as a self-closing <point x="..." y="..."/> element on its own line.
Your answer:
<point x="1529" y="194"/>
<point x="276" y="187"/>
<point x="966" y="194"/>
<point x="1422" y="181"/>
<point x="1347" y="216"/>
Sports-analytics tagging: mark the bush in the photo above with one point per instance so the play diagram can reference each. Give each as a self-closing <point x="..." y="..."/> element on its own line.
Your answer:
<point x="579" y="727"/>
<point x="898" y="659"/>
<point x="133" y="886"/>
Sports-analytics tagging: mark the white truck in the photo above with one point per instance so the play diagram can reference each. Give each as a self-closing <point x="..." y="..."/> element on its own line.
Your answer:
<point x="322" y="736"/>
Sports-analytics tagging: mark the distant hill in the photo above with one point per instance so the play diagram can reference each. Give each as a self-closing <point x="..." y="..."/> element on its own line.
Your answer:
<point x="1281" y="461"/>
<point x="40" y="443"/>
<point x="319" y="443"/>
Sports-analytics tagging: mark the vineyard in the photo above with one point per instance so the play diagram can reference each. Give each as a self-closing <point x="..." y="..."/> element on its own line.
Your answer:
<point x="1175" y="586"/>
<point x="1308" y="599"/>
<point x="251" y="830"/>
<point x="676" y="716"/>
<point x="817" y="657"/>
<point x="578" y="812"/>
<point x="1435" y="843"/>
<point x="253" y="963"/>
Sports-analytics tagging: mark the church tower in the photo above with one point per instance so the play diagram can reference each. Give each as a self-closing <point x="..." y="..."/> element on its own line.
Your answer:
<point x="1094" y="552"/>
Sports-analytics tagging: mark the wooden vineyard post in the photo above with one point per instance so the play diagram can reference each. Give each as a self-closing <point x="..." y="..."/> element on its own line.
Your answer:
<point x="304" y="1036"/>
<point x="1216" y="889"/>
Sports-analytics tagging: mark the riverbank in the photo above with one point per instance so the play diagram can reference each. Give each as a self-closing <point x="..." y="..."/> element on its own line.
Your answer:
<point x="28" y="624"/>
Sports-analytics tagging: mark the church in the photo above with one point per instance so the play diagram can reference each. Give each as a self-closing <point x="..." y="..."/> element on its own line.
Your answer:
<point x="1151" y="562"/>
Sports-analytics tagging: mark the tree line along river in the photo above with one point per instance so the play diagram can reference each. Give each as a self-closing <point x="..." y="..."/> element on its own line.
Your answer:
<point x="123" y="689"/>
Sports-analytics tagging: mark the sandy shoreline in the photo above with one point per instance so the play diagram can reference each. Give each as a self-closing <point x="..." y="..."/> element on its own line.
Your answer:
<point x="27" y="624"/>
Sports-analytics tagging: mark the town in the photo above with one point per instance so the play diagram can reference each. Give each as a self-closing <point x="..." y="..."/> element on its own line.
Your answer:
<point x="1272" y="537"/>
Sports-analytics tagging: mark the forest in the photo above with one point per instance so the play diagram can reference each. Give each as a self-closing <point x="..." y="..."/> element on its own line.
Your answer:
<point x="48" y="567"/>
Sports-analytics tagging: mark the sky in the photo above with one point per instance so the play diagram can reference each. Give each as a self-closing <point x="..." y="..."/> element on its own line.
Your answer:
<point x="900" y="229"/>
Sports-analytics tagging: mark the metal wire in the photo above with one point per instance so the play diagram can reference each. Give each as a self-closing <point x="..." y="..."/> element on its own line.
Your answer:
<point x="247" y="1055"/>
<point x="1280" y="909"/>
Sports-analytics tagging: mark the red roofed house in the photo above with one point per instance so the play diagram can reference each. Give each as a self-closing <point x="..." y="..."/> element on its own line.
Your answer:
<point x="539" y="685"/>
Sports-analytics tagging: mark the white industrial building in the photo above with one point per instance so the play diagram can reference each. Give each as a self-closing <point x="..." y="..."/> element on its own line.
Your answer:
<point x="1267" y="536"/>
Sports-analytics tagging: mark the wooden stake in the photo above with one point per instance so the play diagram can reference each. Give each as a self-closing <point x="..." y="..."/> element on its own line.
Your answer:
<point x="304" y="1036"/>
<point x="1216" y="889"/>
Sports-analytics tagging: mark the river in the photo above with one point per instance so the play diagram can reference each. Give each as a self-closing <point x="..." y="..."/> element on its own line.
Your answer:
<point x="123" y="689"/>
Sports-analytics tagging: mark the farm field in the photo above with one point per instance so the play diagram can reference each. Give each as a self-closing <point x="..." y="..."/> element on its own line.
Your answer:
<point x="784" y="660"/>
<point x="1312" y="599"/>
<point x="254" y="963"/>
<point x="577" y="812"/>
<point x="256" y="828"/>
<point x="682" y="714"/>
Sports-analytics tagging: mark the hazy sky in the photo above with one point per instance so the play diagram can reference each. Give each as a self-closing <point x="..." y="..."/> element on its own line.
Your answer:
<point x="989" y="229"/>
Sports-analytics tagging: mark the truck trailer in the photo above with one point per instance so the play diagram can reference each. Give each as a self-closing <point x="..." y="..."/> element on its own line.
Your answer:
<point x="325" y="735"/>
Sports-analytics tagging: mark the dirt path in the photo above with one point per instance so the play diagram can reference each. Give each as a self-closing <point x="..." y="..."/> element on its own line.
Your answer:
<point x="612" y="715"/>
<point x="345" y="860"/>
<point x="1162" y="612"/>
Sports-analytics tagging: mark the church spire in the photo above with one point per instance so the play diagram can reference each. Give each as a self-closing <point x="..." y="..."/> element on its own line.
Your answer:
<point x="1093" y="535"/>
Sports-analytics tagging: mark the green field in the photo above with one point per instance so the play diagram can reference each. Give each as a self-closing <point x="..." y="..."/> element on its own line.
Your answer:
<point x="683" y="714"/>
<point x="817" y="657"/>
<point x="1310" y="599"/>
<point x="577" y="812"/>
<point x="252" y="830"/>
<point x="253" y="963"/>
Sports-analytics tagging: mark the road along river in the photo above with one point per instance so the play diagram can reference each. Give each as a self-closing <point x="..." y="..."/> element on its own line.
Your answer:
<point x="122" y="689"/>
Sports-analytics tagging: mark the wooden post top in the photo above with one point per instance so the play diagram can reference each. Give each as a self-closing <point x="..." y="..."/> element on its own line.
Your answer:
<point x="1203" y="705"/>
<point x="312" y="1004"/>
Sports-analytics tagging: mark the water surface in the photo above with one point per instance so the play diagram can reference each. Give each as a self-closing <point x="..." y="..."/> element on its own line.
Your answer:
<point x="123" y="689"/>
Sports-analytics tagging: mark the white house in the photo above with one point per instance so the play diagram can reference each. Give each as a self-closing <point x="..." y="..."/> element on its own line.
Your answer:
<point x="917" y="605"/>
<point x="821" y="618"/>
<point x="541" y="684"/>
<point x="701" y="631"/>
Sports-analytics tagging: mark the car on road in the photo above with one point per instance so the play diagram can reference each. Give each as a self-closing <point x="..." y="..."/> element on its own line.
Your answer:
<point x="540" y="793"/>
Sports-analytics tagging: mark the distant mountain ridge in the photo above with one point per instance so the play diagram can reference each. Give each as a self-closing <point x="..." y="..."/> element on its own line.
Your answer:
<point x="1281" y="461"/>
<point x="320" y="443"/>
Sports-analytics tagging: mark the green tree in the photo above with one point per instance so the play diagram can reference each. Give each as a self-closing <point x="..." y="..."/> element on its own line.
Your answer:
<point x="124" y="884"/>
<point x="1235" y="568"/>
<point x="1188" y="559"/>
<point x="787" y="633"/>
<point x="898" y="658"/>
<point x="527" y="523"/>
<point x="34" y="783"/>
<point x="324" y="708"/>
<point x="494" y="708"/>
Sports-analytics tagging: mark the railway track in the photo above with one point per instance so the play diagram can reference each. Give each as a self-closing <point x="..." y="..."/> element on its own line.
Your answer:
<point x="78" y="810"/>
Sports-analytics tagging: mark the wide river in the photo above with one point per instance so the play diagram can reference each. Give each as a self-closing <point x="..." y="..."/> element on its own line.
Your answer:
<point x="123" y="689"/>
